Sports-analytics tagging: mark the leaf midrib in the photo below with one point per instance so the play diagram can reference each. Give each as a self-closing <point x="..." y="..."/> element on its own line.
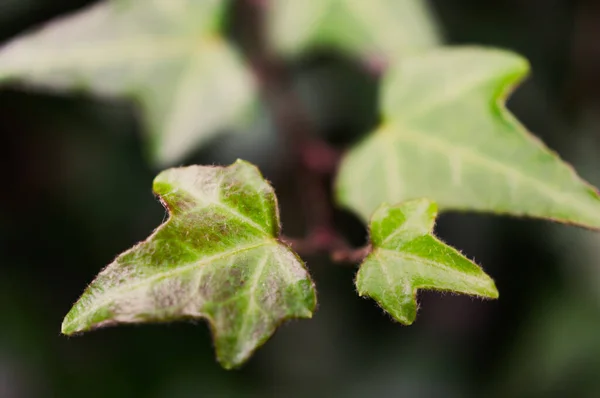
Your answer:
<point x="449" y="148"/>
<point x="149" y="49"/>
<point x="250" y="223"/>
<point x="453" y="92"/>
<point x="242" y="218"/>
<point x="103" y="301"/>
<point x="474" y="279"/>
<point x="258" y="272"/>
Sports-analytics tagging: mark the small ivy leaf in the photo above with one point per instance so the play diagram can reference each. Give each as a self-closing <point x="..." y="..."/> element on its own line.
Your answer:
<point x="375" y="27"/>
<point x="165" y="54"/>
<point x="218" y="257"/>
<point x="447" y="136"/>
<point x="406" y="257"/>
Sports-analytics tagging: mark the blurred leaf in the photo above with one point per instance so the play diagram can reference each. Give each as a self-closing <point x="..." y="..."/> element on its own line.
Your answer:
<point x="406" y="257"/>
<point x="374" y="27"/>
<point x="217" y="257"/>
<point x="447" y="136"/>
<point x="167" y="54"/>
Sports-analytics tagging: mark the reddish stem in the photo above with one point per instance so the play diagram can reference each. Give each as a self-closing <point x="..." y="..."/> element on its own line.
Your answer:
<point x="312" y="159"/>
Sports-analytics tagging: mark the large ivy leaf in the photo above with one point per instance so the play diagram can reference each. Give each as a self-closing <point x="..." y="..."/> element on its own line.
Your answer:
<point x="381" y="27"/>
<point x="217" y="257"/>
<point x="406" y="257"/>
<point x="447" y="136"/>
<point x="166" y="54"/>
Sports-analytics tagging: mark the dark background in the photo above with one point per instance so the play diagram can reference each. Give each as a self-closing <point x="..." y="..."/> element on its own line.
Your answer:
<point x="77" y="191"/>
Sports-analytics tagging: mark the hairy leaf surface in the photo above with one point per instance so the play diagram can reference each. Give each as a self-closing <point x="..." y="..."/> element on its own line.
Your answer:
<point x="406" y="257"/>
<point x="447" y="136"/>
<point x="379" y="27"/>
<point x="218" y="257"/>
<point x="166" y="54"/>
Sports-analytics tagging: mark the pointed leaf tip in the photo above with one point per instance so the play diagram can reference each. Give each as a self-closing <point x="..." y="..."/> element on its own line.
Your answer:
<point x="166" y="55"/>
<point x="449" y="137"/>
<point x="407" y="257"/>
<point x="217" y="257"/>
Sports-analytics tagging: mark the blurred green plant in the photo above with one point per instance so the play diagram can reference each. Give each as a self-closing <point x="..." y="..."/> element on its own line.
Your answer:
<point x="446" y="135"/>
<point x="167" y="55"/>
<point x="363" y="28"/>
<point x="445" y="138"/>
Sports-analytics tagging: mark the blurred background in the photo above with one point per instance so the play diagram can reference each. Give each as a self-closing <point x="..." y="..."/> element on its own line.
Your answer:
<point x="77" y="191"/>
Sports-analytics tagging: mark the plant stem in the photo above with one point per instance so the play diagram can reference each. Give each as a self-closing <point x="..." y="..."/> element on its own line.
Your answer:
<point x="339" y="251"/>
<point x="312" y="159"/>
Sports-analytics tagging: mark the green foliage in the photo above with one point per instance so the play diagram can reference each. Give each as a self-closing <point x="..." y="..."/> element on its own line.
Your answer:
<point x="447" y="136"/>
<point x="168" y="55"/>
<point x="381" y="27"/>
<point x="218" y="257"/>
<point x="406" y="256"/>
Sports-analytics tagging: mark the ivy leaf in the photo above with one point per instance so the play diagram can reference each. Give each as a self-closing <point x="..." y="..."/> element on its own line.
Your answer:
<point x="379" y="27"/>
<point x="218" y="257"/>
<point x="447" y="136"/>
<point x="165" y="54"/>
<point x="406" y="257"/>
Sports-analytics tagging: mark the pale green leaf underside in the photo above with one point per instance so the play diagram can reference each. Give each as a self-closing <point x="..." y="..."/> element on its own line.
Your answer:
<point x="218" y="257"/>
<point x="166" y="54"/>
<point x="407" y="257"/>
<point x="380" y="27"/>
<point x="447" y="136"/>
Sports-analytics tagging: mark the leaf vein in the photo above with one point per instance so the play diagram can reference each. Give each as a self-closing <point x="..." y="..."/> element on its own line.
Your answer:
<point x="111" y="296"/>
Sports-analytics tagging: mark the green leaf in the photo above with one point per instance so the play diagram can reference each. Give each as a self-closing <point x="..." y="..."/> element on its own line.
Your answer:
<point x="165" y="54"/>
<point x="218" y="257"/>
<point x="374" y="27"/>
<point x="406" y="257"/>
<point x="447" y="136"/>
